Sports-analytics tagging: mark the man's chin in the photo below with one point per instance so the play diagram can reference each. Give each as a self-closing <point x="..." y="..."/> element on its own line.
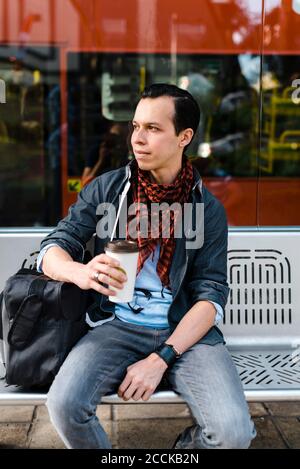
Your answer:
<point x="143" y="164"/>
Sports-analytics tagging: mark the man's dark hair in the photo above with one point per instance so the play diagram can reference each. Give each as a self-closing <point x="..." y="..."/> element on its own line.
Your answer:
<point x="187" y="112"/>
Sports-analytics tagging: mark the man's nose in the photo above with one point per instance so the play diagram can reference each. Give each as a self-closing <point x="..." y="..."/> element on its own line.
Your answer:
<point x="139" y="136"/>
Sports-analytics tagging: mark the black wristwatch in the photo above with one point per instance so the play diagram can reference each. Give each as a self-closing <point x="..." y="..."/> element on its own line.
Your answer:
<point x="168" y="353"/>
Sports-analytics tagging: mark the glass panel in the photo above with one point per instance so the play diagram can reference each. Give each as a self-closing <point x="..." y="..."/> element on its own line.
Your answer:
<point x="103" y="93"/>
<point x="51" y="138"/>
<point x="279" y="159"/>
<point x="29" y="150"/>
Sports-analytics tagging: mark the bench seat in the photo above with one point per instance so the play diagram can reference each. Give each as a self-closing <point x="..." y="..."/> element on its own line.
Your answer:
<point x="267" y="375"/>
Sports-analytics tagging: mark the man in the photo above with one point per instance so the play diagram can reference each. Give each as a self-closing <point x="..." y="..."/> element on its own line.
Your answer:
<point x="180" y="292"/>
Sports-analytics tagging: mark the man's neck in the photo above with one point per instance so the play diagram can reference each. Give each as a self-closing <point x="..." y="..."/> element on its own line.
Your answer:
<point x="165" y="176"/>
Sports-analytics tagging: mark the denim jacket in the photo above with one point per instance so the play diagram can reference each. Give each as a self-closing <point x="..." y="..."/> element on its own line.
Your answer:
<point x="195" y="274"/>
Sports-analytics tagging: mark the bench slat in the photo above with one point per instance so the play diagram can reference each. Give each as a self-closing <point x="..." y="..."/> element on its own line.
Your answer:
<point x="162" y="397"/>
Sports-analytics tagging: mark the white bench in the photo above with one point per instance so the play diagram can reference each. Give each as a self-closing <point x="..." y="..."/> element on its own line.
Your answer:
<point x="262" y="318"/>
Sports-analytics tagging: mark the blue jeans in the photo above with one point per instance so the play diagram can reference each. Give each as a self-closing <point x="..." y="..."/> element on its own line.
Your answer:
<point x="205" y="376"/>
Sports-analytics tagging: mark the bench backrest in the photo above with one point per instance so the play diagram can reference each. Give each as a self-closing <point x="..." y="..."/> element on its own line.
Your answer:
<point x="263" y="272"/>
<point x="264" y="277"/>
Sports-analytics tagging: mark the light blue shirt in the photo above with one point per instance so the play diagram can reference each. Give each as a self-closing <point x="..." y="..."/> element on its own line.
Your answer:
<point x="151" y="299"/>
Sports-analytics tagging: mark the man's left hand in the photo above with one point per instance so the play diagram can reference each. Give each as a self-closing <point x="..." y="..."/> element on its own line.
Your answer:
<point x="142" y="378"/>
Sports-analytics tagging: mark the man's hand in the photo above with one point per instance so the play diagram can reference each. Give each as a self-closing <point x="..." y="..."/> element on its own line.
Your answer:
<point x="59" y="265"/>
<point x="109" y="274"/>
<point x="142" y="378"/>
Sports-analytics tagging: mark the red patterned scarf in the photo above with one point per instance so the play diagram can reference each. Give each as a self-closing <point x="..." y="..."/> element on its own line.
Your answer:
<point x="145" y="191"/>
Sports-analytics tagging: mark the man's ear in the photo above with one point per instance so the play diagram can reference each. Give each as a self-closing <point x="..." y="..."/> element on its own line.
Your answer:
<point x="185" y="137"/>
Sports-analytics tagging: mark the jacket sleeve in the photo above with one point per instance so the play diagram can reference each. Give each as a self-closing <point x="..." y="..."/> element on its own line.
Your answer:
<point x="208" y="278"/>
<point x="76" y="229"/>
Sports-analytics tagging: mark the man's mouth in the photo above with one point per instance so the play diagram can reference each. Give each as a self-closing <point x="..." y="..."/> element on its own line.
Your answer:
<point x="140" y="152"/>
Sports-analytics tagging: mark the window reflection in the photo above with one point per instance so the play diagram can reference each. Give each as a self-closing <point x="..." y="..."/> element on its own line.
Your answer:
<point x="235" y="149"/>
<point x="108" y="89"/>
<point x="29" y="187"/>
<point x="226" y="147"/>
<point x="110" y="153"/>
<point x="280" y="142"/>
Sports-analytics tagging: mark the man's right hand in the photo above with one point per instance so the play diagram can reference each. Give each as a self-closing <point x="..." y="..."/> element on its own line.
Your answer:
<point x="59" y="265"/>
<point x="109" y="274"/>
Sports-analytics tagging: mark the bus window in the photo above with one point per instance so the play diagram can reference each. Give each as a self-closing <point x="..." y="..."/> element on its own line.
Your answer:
<point x="29" y="166"/>
<point x="279" y="155"/>
<point x="105" y="89"/>
<point x="68" y="100"/>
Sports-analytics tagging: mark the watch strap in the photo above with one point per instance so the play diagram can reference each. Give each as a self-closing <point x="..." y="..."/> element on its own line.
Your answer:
<point x="167" y="353"/>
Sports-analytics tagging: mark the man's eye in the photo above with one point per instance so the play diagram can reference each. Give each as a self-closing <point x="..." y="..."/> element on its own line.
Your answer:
<point x="153" y="128"/>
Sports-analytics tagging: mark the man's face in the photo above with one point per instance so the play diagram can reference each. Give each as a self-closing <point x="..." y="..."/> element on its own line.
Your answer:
<point x="154" y="141"/>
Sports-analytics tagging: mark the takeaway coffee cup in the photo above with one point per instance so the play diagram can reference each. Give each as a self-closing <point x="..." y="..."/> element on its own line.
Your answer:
<point x="127" y="253"/>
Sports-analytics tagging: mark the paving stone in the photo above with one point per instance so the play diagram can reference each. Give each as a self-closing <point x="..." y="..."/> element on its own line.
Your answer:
<point x="41" y="413"/>
<point x="13" y="435"/>
<point x="44" y="436"/>
<point x="110" y="429"/>
<point x="149" y="434"/>
<point x="257" y="409"/>
<point x="284" y="409"/>
<point x="149" y="411"/>
<point x="104" y="412"/>
<point x="17" y="413"/>
<point x="267" y="435"/>
<point x="291" y="430"/>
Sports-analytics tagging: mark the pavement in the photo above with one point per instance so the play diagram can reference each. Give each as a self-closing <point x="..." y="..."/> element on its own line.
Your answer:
<point x="146" y="426"/>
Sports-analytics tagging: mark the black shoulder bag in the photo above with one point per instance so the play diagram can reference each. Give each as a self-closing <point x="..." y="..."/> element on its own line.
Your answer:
<point x="41" y="320"/>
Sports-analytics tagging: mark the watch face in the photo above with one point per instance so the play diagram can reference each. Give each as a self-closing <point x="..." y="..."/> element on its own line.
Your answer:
<point x="177" y="354"/>
<point x="174" y="350"/>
